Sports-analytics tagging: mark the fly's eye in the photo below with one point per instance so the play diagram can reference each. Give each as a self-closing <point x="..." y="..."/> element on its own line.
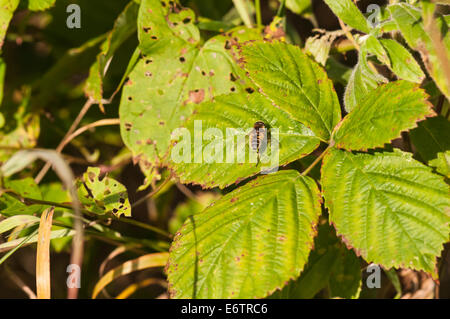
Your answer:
<point x="259" y="124"/>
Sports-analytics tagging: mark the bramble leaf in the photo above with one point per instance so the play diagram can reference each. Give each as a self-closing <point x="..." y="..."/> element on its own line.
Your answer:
<point x="382" y="116"/>
<point x="225" y="156"/>
<point x="442" y="163"/>
<point x="174" y="74"/>
<point x="294" y="82"/>
<point x="390" y="208"/>
<point x="103" y="195"/>
<point x="348" y="12"/>
<point x="40" y="5"/>
<point x="330" y="264"/>
<point x="402" y="62"/>
<point x="265" y="227"/>
<point x="7" y="8"/>
<point x="363" y="79"/>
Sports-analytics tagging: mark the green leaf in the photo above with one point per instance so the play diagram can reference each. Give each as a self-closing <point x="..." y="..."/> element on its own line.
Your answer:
<point x="225" y="157"/>
<point x="319" y="45"/>
<point x="17" y="220"/>
<point x="330" y="265"/>
<point x="442" y="163"/>
<point x="10" y="205"/>
<point x="294" y="82"/>
<point x="348" y="12"/>
<point x="248" y="243"/>
<point x="189" y="208"/>
<point x="338" y="72"/>
<point x="124" y="27"/>
<point x="299" y="6"/>
<point x="362" y="81"/>
<point x="409" y="21"/>
<point x="40" y="5"/>
<point x="402" y="62"/>
<point x="431" y="137"/>
<point x="390" y="208"/>
<point x="382" y="116"/>
<point x="174" y="74"/>
<point x="7" y="8"/>
<point x="160" y="26"/>
<point x="2" y="84"/>
<point x="60" y="233"/>
<point x="21" y="130"/>
<point x="103" y="195"/>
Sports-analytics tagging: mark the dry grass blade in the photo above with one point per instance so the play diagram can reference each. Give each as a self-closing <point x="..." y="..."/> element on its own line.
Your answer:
<point x="22" y="159"/>
<point x="131" y="289"/>
<point x="43" y="255"/>
<point x="143" y="262"/>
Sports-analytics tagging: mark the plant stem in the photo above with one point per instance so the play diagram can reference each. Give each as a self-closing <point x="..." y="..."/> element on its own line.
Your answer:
<point x="317" y="160"/>
<point x="281" y="8"/>
<point x="258" y="14"/>
<point x="85" y="128"/>
<point x="19" y="282"/>
<point x="243" y="13"/>
<point x="32" y="201"/>
<point x="152" y="193"/>
<point x="348" y="34"/>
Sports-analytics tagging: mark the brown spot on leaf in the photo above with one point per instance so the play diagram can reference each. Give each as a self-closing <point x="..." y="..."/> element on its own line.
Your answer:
<point x="197" y="96"/>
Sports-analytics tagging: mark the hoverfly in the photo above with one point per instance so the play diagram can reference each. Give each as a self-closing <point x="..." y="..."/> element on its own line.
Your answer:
<point x="258" y="139"/>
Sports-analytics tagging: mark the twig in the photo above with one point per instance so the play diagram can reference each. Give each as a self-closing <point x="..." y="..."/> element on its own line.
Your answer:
<point x="61" y="145"/>
<point x="186" y="191"/>
<point x="348" y="34"/>
<point x="16" y="279"/>
<point x="441" y="52"/>
<point x="85" y="128"/>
